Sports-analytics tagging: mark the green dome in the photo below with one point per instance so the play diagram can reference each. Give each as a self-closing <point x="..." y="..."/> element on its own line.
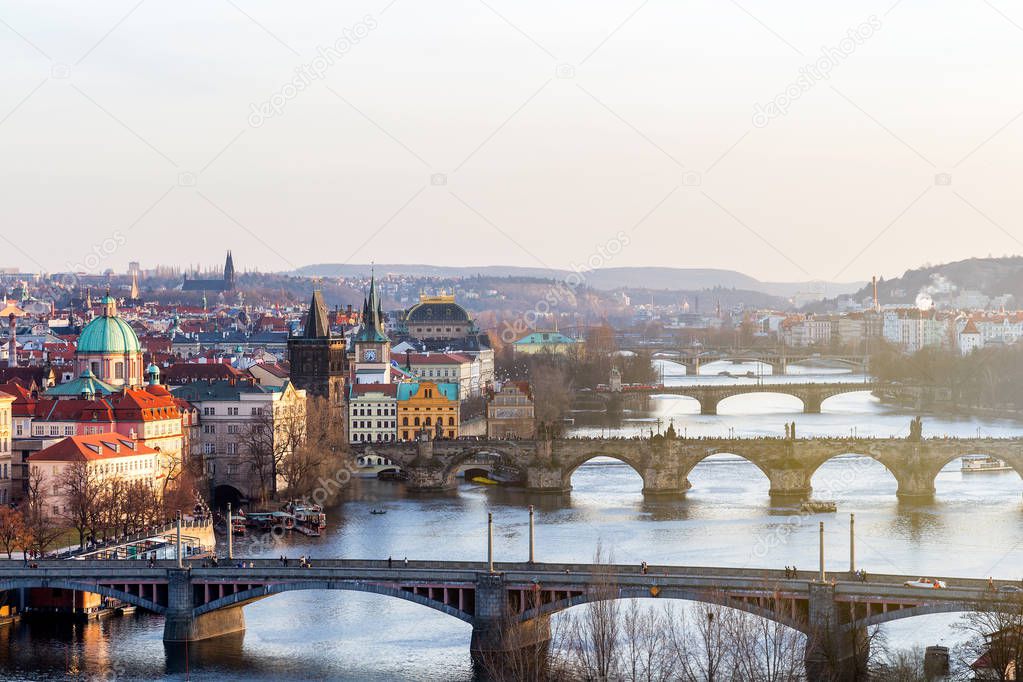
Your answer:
<point x="108" y="334"/>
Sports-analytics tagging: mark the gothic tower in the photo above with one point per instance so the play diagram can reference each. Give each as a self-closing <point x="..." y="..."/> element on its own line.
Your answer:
<point x="318" y="358"/>
<point x="229" y="273"/>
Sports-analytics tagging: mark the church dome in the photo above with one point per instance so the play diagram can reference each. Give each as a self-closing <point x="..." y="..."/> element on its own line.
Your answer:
<point x="437" y="309"/>
<point x="108" y="333"/>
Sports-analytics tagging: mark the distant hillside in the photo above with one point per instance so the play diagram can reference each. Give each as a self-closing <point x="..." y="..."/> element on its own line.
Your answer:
<point x="605" y="279"/>
<point x="954" y="283"/>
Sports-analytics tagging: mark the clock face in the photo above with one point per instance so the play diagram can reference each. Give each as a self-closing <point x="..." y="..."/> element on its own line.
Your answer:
<point x="370" y="355"/>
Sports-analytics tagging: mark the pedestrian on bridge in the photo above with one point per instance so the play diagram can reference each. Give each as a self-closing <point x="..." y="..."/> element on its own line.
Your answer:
<point x="389" y="562"/>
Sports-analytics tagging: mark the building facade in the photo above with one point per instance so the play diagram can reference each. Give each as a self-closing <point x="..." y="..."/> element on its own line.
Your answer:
<point x="372" y="413"/>
<point x="429" y="408"/>
<point x="510" y="412"/>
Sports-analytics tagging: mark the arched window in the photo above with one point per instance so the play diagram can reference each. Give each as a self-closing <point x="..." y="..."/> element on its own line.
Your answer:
<point x="429" y="421"/>
<point x="416" y="422"/>
<point x="451" y="421"/>
<point x="404" y="421"/>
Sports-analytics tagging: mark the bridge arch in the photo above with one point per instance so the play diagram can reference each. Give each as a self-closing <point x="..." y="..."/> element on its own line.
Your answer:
<point x="692" y="462"/>
<point x="570" y="466"/>
<point x="501" y="456"/>
<point x="730" y="397"/>
<point x="793" y="619"/>
<point x="71" y="585"/>
<point x="253" y="594"/>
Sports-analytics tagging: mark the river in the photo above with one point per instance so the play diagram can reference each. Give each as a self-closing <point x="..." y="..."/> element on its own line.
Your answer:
<point x="971" y="528"/>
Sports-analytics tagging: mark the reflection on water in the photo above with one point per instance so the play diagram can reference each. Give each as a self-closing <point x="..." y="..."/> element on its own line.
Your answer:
<point x="971" y="528"/>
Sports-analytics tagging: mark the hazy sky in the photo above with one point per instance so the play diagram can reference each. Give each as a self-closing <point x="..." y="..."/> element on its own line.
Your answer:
<point x="512" y="132"/>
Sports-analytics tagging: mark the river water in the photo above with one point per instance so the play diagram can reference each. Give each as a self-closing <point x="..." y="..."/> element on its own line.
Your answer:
<point x="971" y="528"/>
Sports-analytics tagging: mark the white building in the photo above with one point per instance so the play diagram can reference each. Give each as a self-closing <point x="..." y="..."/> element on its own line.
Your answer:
<point x="372" y="413"/>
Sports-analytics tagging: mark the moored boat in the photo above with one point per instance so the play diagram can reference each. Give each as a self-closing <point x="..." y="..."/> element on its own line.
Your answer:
<point x="982" y="463"/>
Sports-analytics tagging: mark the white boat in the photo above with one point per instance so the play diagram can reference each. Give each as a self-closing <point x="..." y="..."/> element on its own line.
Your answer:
<point x="982" y="463"/>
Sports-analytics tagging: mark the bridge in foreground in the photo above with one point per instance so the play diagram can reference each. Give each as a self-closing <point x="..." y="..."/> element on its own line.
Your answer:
<point x="665" y="463"/>
<point x="509" y="604"/>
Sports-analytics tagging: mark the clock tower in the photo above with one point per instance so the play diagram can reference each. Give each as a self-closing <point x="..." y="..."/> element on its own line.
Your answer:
<point x="372" y="362"/>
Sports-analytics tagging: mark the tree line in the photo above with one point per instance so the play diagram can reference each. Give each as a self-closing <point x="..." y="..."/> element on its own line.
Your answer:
<point x="985" y="378"/>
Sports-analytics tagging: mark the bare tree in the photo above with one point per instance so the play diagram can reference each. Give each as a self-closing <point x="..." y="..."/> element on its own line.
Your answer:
<point x="12" y="529"/>
<point x="595" y="636"/>
<point x="646" y="633"/>
<point x="703" y="642"/>
<point x="765" y="650"/>
<point x="41" y="524"/>
<point x="80" y="486"/>
<point x="994" y="633"/>
<point x="267" y="441"/>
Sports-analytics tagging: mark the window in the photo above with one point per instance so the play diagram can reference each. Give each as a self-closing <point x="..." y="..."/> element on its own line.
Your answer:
<point x="208" y="448"/>
<point x="232" y="428"/>
<point x="209" y="411"/>
<point x="404" y="421"/>
<point x="232" y="411"/>
<point x="232" y="448"/>
<point x="118" y="370"/>
<point x="69" y="430"/>
<point x="209" y="428"/>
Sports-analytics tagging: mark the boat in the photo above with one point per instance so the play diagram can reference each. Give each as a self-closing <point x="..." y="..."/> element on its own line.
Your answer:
<point x="483" y="480"/>
<point x="377" y="511"/>
<point x="309" y="518"/>
<point x="126" y="609"/>
<point x="505" y="474"/>
<point x="270" y="521"/>
<point x="982" y="463"/>
<point x="818" y="506"/>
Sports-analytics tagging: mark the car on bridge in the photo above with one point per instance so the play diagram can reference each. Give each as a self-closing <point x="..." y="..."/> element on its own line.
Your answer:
<point x="926" y="583"/>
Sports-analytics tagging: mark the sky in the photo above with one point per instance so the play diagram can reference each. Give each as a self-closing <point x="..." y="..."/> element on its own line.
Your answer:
<point x="790" y="140"/>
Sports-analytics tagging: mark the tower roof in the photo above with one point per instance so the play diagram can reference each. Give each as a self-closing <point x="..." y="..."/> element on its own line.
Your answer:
<point x="317" y="324"/>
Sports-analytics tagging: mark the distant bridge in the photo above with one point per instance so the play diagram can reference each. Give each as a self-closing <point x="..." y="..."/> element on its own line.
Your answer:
<point x="778" y="359"/>
<point x="665" y="463"/>
<point x="515" y="598"/>
<point x="812" y="394"/>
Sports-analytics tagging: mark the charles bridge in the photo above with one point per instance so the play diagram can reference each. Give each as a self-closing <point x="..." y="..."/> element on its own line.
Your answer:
<point x="664" y="463"/>
<point x="509" y="605"/>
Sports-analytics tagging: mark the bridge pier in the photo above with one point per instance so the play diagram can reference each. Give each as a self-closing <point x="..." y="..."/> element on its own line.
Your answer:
<point x="709" y="405"/>
<point x="667" y="481"/>
<point x="834" y="651"/>
<point x="789" y="482"/>
<point x="502" y="643"/>
<point x="180" y="622"/>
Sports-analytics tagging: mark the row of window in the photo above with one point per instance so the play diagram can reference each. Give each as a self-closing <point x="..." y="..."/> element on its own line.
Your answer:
<point x="405" y="435"/>
<point x="231" y="411"/>
<point x="368" y="438"/>
<point x="368" y="412"/>
<point x="366" y="424"/>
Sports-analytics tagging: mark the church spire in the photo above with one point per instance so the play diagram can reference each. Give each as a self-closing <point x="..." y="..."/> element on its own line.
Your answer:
<point x="317" y="324"/>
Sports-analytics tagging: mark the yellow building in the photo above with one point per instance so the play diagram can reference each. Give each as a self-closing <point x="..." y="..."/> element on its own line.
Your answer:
<point x="427" y="406"/>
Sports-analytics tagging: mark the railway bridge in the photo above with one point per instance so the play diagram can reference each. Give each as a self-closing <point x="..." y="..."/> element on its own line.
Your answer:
<point x="665" y="463"/>
<point x="509" y="605"/>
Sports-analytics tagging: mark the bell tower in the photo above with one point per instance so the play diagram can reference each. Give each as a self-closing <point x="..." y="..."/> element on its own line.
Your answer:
<point x="318" y="357"/>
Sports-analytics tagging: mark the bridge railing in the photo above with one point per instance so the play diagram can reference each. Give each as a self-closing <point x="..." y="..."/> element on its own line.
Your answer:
<point x="115" y="569"/>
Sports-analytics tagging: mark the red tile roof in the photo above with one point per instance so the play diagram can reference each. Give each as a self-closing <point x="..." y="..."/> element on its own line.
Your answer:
<point x="91" y="447"/>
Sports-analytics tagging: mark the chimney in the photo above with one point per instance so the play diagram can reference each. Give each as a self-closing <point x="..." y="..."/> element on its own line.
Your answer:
<point x="877" y="307"/>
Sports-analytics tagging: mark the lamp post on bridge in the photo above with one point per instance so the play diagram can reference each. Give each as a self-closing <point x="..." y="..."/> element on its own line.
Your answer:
<point x="230" y="534"/>
<point x="490" y="542"/>
<point x="532" y="544"/>
<point x="852" y="543"/>
<point x="181" y="561"/>
<point x="821" y="553"/>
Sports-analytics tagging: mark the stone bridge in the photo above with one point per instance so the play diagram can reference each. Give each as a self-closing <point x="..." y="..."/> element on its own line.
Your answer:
<point x="665" y="463"/>
<point x="812" y="395"/>
<point x="778" y="360"/>
<point x="509" y="604"/>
